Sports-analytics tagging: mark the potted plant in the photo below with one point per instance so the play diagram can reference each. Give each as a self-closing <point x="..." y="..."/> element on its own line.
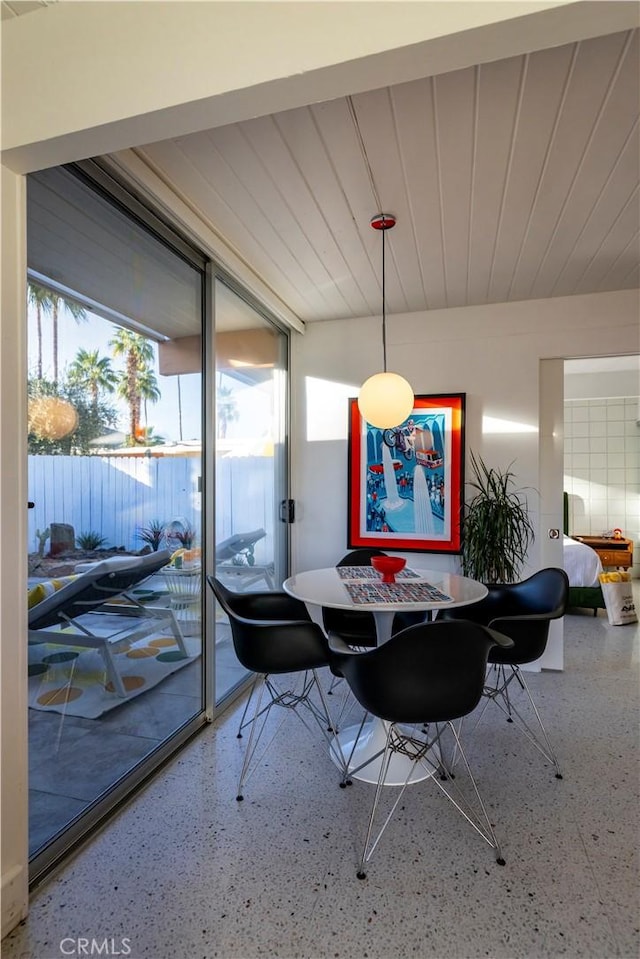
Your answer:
<point x="497" y="530"/>
<point x="180" y="534"/>
<point x="153" y="534"/>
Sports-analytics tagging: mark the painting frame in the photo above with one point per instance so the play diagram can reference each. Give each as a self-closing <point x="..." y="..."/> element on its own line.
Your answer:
<point x="422" y="461"/>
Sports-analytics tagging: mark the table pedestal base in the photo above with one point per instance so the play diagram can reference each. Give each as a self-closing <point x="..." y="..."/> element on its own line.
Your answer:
<point x="371" y="741"/>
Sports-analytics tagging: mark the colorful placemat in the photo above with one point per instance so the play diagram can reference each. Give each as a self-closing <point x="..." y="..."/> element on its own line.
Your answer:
<point x="367" y="592"/>
<point x="369" y="573"/>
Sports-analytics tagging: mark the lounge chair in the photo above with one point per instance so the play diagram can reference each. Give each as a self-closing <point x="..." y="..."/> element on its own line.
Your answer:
<point x="235" y="561"/>
<point x="98" y="610"/>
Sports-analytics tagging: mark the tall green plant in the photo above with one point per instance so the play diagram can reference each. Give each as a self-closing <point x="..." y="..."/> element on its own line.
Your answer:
<point x="137" y="381"/>
<point x="40" y="298"/>
<point x="77" y="312"/>
<point x="92" y="372"/>
<point x="497" y="531"/>
<point x="47" y="302"/>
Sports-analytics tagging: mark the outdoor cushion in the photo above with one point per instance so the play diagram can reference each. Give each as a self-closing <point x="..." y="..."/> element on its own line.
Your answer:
<point x="100" y="584"/>
<point x="47" y="588"/>
<point x="99" y="590"/>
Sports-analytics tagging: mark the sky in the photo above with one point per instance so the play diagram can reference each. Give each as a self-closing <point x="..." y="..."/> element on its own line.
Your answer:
<point x="95" y="333"/>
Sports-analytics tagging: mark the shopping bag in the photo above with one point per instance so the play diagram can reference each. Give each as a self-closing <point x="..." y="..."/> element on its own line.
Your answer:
<point x="618" y="598"/>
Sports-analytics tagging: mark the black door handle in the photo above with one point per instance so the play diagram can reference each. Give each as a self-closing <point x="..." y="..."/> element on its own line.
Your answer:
<point x="287" y="511"/>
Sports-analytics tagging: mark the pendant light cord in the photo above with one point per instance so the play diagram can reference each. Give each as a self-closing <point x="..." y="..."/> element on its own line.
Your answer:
<point x="384" y="311"/>
<point x="384" y="222"/>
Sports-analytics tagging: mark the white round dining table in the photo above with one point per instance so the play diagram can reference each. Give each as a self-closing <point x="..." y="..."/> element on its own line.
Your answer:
<point x="326" y="587"/>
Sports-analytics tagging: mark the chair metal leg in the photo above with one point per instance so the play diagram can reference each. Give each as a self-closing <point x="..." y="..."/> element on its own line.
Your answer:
<point x="477" y="719"/>
<point x="296" y="698"/>
<point x="384" y="767"/>
<point x="426" y="749"/>
<point x="478" y="818"/>
<point x="346" y="704"/>
<point x="347" y="769"/>
<point x="246" y="707"/>
<point x="500" y="694"/>
<point x="323" y="715"/>
<point x="255" y="733"/>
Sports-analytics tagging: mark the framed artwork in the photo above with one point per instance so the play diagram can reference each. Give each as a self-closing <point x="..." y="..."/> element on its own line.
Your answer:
<point x="406" y="484"/>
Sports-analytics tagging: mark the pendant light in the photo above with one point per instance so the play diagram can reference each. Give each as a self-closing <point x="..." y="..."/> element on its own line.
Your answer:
<point x="385" y="399"/>
<point x="51" y="418"/>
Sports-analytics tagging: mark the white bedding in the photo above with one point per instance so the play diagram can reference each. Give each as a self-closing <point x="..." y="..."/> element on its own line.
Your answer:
<point x="582" y="564"/>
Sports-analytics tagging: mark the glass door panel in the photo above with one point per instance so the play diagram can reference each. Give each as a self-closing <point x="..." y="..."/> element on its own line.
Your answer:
<point x="115" y="473"/>
<point x="251" y="478"/>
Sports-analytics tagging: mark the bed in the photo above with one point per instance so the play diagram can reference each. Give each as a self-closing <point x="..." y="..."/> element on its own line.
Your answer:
<point x="582" y="565"/>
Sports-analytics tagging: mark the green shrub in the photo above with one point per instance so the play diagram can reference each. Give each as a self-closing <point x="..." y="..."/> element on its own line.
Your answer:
<point x="90" y="540"/>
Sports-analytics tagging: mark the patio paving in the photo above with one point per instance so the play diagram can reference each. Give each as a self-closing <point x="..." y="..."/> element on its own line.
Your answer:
<point x="73" y="760"/>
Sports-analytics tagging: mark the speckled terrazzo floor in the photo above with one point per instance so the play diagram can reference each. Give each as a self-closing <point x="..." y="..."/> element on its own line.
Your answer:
<point x="186" y="872"/>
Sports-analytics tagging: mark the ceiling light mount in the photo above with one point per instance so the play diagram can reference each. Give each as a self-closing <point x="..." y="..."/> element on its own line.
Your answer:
<point x="383" y="221"/>
<point x="385" y="399"/>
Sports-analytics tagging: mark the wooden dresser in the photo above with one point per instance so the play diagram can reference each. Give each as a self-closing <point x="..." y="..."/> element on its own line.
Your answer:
<point x="612" y="552"/>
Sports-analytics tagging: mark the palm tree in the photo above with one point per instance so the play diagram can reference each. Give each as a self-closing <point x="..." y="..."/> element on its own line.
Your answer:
<point x="148" y="389"/>
<point x="39" y="297"/>
<point x="138" y="353"/>
<point x="179" y="408"/>
<point x="77" y="312"/>
<point x="47" y="301"/>
<point x="226" y="409"/>
<point x="93" y="373"/>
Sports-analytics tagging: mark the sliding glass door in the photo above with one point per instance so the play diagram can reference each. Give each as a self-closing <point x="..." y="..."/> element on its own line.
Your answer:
<point x="251" y="477"/>
<point x="116" y="318"/>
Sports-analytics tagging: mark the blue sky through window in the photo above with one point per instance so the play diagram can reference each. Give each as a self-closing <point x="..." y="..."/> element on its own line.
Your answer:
<point x="254" y="412"/>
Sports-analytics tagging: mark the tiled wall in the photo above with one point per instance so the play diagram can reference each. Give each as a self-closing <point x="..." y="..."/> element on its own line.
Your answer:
<point x="602" y="467"/>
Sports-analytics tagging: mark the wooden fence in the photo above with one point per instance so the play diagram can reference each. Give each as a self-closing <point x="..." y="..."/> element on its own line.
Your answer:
<point x="117" y="495"/>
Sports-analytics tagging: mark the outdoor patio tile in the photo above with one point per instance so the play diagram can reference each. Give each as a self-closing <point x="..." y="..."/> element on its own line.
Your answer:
<point x="83" y="770"/>
<point x="48" y="813"/>
<point x="151" y="717"/>
<point x="48" y="732"/>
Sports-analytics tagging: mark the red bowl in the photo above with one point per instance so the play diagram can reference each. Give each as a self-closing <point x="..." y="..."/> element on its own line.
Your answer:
<point x="388" y="566"/>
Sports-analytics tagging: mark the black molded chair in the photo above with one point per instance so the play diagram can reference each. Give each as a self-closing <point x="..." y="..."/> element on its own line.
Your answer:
<point x="273" y="635"/>
<point x="423" y="678"/>
<point x="272" y="606"/>
<point x="522" y="611"/>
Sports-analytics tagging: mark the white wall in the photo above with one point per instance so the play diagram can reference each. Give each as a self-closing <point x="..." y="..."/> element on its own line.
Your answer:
<point x="589" y="386"/>
<point x="491" y="353"/>
<point x="602" y="467"/>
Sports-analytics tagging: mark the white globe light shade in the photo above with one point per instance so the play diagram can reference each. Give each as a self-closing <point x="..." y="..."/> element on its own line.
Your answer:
<point x="385" y="400"/>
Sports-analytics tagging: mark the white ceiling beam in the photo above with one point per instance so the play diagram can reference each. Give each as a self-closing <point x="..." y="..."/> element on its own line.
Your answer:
<point x="83" y="79"/>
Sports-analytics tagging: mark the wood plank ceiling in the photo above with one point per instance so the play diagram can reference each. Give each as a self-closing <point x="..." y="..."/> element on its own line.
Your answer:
<point x="512" y="180"/>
